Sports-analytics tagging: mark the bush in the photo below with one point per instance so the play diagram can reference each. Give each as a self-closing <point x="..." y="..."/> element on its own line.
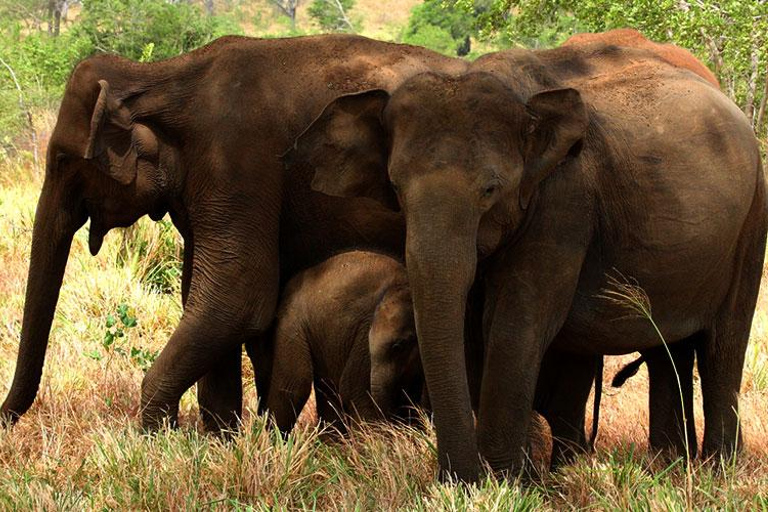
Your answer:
<point x="432" y="37"/>
<point x="126" y="27"/>
<point x="443" y="26"/>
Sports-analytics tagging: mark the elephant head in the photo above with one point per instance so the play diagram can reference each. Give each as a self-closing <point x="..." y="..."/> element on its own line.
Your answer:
<point x="103" y="165"/>
<point x="396" y="376"/>
<point x="463" y="157"/>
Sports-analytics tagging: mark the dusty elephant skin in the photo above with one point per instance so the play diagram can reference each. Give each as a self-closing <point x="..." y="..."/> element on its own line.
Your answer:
<point x="543" y="173"/>
<point x="668" y="432"/>
<point x="200" y="137"/>
<point x="346" y="326"/>
<point x="674" y="55"/>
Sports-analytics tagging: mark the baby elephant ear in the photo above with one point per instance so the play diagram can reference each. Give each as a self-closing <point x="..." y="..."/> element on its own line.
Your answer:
<point x="557" y="125"/>
<point x="114" y="139"/>
<point x="347" y="146"/>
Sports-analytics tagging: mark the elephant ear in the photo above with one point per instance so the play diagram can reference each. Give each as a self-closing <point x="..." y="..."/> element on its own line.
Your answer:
<point x="115" y="141"/>
<point x="558" y="124"/>
<point x="347" y="146"/>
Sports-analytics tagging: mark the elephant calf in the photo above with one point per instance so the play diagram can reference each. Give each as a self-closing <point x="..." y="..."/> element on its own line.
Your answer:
<point x="347" y="326"/>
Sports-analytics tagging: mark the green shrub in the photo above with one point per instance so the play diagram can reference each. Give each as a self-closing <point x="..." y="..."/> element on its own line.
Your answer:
<point x="126" y="27"/>
<point x="432" y="37"/>
<point x="443" y="26"/>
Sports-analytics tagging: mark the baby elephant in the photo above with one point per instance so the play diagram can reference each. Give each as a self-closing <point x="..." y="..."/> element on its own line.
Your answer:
<point x="347" y="326"/>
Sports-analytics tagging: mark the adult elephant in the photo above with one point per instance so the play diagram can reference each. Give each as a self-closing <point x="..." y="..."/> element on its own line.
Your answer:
<point x="629" y="37"/>
<point x="670" y="399"/>
<point x="542" y="172"/>
<point x="200" y="137"/>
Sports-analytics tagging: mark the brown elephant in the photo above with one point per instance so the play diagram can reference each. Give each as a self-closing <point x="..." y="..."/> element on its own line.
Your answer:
<point x="629" y="37"/>
<point x="346" y="326"/>
<point x="543" y="173"/>
<point x="200" y="137"/>
<point x="671" y="380"/>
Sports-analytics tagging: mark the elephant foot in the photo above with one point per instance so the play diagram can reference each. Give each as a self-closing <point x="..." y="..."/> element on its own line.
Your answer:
<point x="225" y="425"/>
<point x="156" y="415"/>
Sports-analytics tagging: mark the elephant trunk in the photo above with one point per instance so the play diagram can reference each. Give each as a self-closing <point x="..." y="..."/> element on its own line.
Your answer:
<point x="382" y="390"/>
<point x="56" y="222"/>
<point x="441" y="259"/>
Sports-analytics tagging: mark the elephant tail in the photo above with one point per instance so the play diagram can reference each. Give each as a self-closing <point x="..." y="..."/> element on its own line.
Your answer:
<point x="626" y="373"/>
<point x="596" y="404"/>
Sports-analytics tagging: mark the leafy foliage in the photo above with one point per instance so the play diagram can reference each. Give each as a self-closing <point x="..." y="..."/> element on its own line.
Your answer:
<point x="331" y="15"/>
<point x="126" y="27"/>
<point x="444" y="25"/>
<point x="731" y="36"/>
<point x="116" y="327"/>
<point x="43" y="61"/>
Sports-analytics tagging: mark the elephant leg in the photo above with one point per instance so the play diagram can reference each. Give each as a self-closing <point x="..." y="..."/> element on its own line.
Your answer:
<point x="562" y="392"/>
<point x="195" y="348"/>
<point x="260" y="351"/>
<point x="721" y="361"/>
<point x="519" y="331"/>
<point x="330" y="411"/>
<point x="474" y="342"/>
<point x="220" y="393"/>
<point x="721" y="355"/>
<point x="291" y="376"/>
<point x="670" y="401"/>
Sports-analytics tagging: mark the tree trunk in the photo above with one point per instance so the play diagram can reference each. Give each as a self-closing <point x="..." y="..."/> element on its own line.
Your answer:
<point x="761" y="109"/>
<point x="749" y="102"/>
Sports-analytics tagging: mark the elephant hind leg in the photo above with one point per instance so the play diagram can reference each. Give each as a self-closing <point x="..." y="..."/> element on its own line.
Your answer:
<point x="670" y="398"/>
<point x="220" y="393"/>
<point x="721" y="356"/>
<point x="562" y="392"/>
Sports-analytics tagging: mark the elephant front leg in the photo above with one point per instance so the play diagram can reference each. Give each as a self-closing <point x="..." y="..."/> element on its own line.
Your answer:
<point x="506" y="399"/>
<point x="220" y="391"/>
<point x="224" y="304"/>
<point x="526" y="306"/>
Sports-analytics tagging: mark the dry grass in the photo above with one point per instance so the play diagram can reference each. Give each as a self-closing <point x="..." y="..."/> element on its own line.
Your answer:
<point x="80" y="448"/>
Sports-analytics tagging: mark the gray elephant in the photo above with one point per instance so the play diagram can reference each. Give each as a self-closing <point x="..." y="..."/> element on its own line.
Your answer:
<point x="346" y="326"/>
<point x="544" y="174"/>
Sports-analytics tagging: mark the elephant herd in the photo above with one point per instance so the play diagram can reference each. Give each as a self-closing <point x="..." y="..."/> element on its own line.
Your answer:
<point x="385" y="221"/>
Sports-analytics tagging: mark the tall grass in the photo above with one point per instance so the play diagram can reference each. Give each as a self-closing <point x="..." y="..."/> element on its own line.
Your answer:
<point x="80" y="446"/>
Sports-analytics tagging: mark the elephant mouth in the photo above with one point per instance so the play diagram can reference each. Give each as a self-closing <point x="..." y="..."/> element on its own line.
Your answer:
<point x="96" y="235"/>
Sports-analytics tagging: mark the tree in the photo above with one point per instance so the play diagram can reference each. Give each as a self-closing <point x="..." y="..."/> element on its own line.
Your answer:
<point x="288" y="8"/>
<point x="731" y="36"/>
<point x="444" y="25"/>
<point x="331" y="15"/>
<point x="126" y="27"/>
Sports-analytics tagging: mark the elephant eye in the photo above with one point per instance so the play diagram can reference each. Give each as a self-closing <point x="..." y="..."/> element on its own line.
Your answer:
<point x="489" y="191"/>
<point x="402" y="344"/>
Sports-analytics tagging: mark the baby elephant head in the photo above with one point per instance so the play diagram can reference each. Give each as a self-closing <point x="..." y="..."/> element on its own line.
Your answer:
<point x="396" y="374"/>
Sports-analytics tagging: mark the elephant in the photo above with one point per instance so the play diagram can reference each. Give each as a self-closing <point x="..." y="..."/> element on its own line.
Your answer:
<point x="674" y="55"/>
<point x="672" y="429"/>
<point x="549" y="175"/>
<point x="200" y="137"/>
<point x="345" y="325"/>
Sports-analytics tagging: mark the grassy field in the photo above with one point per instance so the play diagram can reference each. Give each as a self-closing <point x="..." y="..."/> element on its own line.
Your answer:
<point x="80" y="448"/>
